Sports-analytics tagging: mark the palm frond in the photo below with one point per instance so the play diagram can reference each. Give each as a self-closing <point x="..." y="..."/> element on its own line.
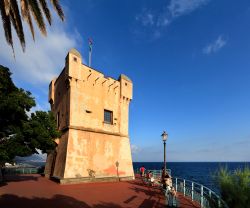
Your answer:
<point x="24" y="8"/>
<point x="37" y="9"/>
<point x="45" y="9"/>
<point x="6" y="24"/>
<point x="26" y="16"/>
<point x="16" y="21"/>
<point x="29" y="21"/>
<point x="37" y="14"/>
<point x="58" y="8"/>
<point x="7" y="6"/>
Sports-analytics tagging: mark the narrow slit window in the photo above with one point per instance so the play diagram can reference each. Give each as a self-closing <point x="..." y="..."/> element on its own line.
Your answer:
<point x="58" y="119"/>
<point x="108" y="116"/>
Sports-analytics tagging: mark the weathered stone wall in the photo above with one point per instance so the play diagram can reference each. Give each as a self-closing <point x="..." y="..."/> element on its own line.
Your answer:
<point x="49" y="163"/>
<point x="91" y="151"/>
<point x="61" y="156"/>
<point x="60" y="105"/>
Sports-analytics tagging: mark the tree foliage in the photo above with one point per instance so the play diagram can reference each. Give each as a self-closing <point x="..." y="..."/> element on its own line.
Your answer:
<point x="14" y="104"/>
<point x="235" y="187"/>
<point x="40" y="131"/>
<point x="21" y="135"/>
<point x="35" y="9"/>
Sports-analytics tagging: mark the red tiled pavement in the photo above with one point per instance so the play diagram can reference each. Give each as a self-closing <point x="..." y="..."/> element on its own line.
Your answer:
<point x="35" y="191"/>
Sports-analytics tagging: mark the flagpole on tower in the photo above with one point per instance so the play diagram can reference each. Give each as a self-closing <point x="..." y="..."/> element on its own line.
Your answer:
<point x="90" y="51"/>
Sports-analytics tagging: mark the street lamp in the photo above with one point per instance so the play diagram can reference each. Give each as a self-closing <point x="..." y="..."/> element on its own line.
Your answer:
<point x="164" y="139"/>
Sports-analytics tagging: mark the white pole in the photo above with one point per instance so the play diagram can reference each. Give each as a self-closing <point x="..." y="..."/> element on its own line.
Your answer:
<point x="192" y="193"/>
<point x="90" y="51"/>
<point x="184" y="190"/>
<point x="201" y="196"/>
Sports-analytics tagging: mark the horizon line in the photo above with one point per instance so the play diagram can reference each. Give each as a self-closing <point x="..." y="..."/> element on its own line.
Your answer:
<point x="192" y="161"/>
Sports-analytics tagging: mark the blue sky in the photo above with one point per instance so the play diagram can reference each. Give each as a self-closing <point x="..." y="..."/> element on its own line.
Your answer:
<point x="189" y="61"/>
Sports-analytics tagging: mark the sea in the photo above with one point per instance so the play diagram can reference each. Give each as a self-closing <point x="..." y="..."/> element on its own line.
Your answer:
<point x="200" y="172"/>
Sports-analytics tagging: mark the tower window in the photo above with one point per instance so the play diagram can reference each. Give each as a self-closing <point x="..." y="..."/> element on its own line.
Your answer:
<point x="58" y="119"/>
<point x="75" y="59"/>
<point x="108" y="116"/>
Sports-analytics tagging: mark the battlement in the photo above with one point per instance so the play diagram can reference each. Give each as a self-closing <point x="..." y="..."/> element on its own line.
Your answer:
<point x="82" y="90"/>
<point x="76" y="70"/>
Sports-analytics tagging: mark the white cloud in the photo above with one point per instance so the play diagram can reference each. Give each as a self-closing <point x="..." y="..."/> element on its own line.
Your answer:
<point x="163" y="21"/>
<point x="44" y="106"/>
<point x="146" y="18"/>
<point x="181" y="7"/>
<point x="215" y="46"/>
<point x="158" y="20"/>
<point x="44" y="58"/>
<point x="135" y="149"/>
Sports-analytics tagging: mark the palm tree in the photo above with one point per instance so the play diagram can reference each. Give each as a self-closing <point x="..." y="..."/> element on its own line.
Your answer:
<point x="10" y="13"/>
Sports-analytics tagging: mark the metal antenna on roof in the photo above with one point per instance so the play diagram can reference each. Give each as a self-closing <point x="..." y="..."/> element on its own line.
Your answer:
<point x="90" y="50"/>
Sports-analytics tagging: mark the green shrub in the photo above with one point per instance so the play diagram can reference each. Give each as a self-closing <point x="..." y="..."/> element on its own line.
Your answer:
<point x="235" y="187"/>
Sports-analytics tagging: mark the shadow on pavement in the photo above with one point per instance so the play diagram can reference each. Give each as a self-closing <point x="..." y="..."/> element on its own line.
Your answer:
<point x="57" y="201"/>
<point x="150" y="192"/>
<point x="3" y="183"/>
<point x="17" y="178"/>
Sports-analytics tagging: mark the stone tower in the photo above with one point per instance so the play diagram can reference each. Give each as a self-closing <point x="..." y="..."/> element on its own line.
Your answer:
<point x="92" y="112"/>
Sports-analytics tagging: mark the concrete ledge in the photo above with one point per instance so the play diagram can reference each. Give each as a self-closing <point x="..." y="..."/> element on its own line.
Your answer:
<point x="90" y="179"/>
<point x="93" y="130"/>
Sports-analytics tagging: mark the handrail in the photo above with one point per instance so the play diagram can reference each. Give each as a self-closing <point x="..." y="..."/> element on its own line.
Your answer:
<point x="155" y="172"/>
<point x="196" y="191"/>
<point x="21" y="170"/>
<point x="198" y="184"/>
<point x="199" y="193"/>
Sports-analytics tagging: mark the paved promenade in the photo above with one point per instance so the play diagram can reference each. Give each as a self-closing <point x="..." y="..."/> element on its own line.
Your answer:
<point x="36" y="191"/>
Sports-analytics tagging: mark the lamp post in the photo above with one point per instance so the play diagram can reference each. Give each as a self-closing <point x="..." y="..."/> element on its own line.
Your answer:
<point x="164" y="139"/>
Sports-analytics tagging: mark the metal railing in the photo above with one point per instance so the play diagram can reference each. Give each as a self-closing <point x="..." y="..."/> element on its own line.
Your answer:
<point x="21" y="170"/>
<point x="195" y="191"/>
<point x="199" y="193"/>
<point x="156" y="173"/>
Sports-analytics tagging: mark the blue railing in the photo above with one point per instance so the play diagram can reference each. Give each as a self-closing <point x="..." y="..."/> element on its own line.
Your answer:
<point x="195" y="191"/>
<point x="21" y="170"/>
<point x="199" y="193"/>
<point x="156" y="173"/>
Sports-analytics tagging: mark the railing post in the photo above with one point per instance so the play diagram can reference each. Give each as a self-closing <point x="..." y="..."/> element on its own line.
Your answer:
<point x="184" y="187"/>
<point x="210" y="194"/>
<point x="219" y="203"/>
<point x="201" y="196"/>
<point x="176" y="184"/>
<point x="192" y="193"/>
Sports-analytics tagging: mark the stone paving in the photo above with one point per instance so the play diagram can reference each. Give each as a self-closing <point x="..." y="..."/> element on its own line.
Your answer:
<point x="28" y="191"/>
